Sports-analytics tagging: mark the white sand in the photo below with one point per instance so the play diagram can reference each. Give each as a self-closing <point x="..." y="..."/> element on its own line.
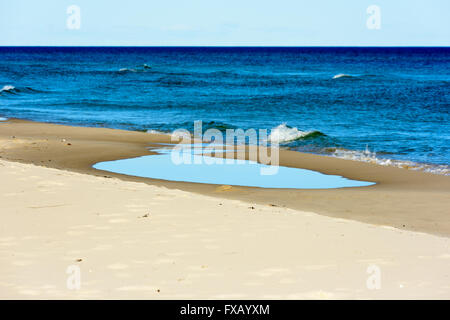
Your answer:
<point x="192" y="247"/>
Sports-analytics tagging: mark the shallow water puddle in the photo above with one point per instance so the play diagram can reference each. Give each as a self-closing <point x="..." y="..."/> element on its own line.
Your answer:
<point x="200" y="168"/>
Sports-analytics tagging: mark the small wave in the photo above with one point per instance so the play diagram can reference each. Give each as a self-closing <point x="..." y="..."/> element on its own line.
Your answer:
<point x="221" y="126"/>
<point x="342" y="75"/>
<point x="284" y="133"/>
<point x="3" y="119"/>
<point x="371" y="157"/>
<point x="141" y="68"/>
<point x="221" y="73"/>
<point x="8" y="88"/>
<point x="165" y="81"/>
<point x="127" y="70"/>
<point x="177" y="81"/>
<point x="367" y="76"/>
<point x="189" y="126"/>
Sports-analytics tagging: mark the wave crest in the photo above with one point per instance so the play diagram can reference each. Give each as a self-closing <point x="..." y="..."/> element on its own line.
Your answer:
<point x="8" y="88"/>
<point x="127" y="70"/>
<point x="142" y="68"/>
<point x="284" y="133"/>
<point x="342" y="75"/>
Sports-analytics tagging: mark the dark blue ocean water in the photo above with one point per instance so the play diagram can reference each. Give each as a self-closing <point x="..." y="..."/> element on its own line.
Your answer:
<point x="394" y="102"/>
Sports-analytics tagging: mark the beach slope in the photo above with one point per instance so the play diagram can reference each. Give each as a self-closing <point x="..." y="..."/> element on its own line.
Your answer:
<point x="137" y="241"/>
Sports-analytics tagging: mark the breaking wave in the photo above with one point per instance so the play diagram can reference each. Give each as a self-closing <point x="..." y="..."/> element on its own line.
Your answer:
<point x="342" y="75"/>
<point x="127" y="70"/>
<point x="284" y="133"/>
<point x="371" y="157"/>
<point x="8" y="88"/>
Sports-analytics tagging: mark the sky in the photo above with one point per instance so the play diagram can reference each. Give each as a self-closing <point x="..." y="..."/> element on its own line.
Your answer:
<point x="225" y="23"/>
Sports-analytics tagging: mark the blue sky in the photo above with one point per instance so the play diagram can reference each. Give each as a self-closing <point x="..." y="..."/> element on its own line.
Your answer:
<point x="226" y="22"/>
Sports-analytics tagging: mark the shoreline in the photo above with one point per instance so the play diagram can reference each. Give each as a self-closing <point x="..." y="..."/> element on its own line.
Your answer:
<point x="401" y="198"/>
<point x="355" y="155"/>
<point x="136" y="238"/>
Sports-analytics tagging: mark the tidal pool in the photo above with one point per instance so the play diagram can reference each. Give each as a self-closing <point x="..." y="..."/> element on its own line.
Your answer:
<point x="199" y="168"/>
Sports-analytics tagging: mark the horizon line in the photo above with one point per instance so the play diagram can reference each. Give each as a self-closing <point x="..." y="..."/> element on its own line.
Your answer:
<point x="224" y="46"/>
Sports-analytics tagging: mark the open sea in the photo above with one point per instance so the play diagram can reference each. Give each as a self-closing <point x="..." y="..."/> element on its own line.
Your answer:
<point x="384" y="105"/>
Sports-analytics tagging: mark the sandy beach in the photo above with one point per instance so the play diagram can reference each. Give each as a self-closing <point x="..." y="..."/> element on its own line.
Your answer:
<point x="137" y="238"/>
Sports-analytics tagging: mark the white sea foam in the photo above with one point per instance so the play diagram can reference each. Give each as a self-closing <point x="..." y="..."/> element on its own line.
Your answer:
<point x="156" y="132"/>
<point x="7" y="88"/>
<point x="371" y="157"/>
<point x="3" y="119"/>
<point x="283" y="133"/>
<point x="342" y="75"/>
<point x="127" y="70"/>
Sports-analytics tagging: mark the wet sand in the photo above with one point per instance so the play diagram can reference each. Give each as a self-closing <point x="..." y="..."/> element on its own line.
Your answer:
<point x="401" y="198"/>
